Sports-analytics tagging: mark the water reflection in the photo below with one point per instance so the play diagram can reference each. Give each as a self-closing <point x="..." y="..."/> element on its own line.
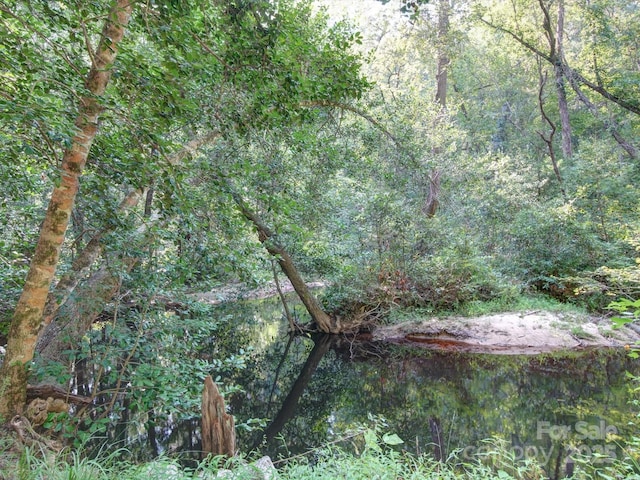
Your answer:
<point x="436" y="401"/>
<point x="309" y="391"/>
<point x="440" y="402"/>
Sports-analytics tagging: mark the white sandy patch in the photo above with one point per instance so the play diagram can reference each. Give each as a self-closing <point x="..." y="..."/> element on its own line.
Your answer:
<point x="511" y="333"/>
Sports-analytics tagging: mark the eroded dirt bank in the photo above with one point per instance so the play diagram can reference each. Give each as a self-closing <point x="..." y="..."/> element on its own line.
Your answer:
<point x="510" y="333"/>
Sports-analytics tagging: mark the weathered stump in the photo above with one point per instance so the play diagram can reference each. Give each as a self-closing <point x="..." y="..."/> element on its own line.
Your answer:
<point x="218" y="427"/>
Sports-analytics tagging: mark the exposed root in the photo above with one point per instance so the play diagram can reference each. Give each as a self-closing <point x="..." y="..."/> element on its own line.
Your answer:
<point x="30" y="438"/>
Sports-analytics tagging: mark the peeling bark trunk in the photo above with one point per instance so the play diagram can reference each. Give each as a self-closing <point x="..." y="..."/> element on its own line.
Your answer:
<point x="28" y="315"/>
<point x="85" y="259"/>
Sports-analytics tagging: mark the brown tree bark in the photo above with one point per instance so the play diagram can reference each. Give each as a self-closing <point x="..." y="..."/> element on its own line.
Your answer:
<point x="267" y="237"/>
<point x="218" y="427"/>
<point x="83" y="262"/>
<point x="76" y="319"/>
<point x="27" y="318"/>
<point x="432" y="201"/>
<point x="556" y="56"/>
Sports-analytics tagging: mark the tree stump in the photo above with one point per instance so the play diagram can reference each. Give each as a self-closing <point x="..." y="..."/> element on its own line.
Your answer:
<point x="218" y="427"/>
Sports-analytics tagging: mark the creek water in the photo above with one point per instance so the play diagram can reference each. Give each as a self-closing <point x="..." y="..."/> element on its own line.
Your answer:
<point x="307" y="391"/>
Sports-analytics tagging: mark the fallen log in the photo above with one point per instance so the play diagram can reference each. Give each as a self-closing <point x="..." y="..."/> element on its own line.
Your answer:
<point x="55" y="392"/>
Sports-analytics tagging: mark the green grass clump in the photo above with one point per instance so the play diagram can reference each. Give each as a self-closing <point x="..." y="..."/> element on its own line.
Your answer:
<point x="519" y="303"/>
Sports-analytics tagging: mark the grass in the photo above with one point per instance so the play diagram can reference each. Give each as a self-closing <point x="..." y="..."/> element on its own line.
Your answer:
<point x="581" y="333"/>
<point x="520" y="303"/>
<point x="376" y="461"/>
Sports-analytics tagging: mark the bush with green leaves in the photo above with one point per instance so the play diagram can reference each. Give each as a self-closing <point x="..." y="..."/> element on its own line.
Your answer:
<point x="550" y="243"/>
<point x="131" y="362"/>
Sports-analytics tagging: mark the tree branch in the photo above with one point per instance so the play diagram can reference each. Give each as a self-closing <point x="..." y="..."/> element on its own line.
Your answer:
<point x="343" y="106"/>
<point x="568" y="71"/>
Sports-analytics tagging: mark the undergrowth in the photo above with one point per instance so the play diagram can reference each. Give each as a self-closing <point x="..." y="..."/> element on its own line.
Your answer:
<point x="380" y="457"/>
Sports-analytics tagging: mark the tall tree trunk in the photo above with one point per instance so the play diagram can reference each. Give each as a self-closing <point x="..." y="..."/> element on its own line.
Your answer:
<point x="432" y="201"/>
<point x="27" y="318"/>
<point x="82" y="263"/>
<point x="563" y="106"/>
<point x="443" y="56"/>
<point x="555" y="40"/>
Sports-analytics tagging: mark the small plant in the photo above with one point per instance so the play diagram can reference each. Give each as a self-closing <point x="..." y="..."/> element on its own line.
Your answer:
<point x="629" y="311"/>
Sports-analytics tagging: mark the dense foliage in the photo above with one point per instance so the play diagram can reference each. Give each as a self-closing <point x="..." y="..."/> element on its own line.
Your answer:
<point x="344" y="184"/>
<point x="422" y="155"/>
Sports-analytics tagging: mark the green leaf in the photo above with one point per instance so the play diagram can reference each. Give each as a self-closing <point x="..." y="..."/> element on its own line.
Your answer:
<point x="392" y="439"/>
<point x="619" y="322"/>
<point x="371" y="440"/>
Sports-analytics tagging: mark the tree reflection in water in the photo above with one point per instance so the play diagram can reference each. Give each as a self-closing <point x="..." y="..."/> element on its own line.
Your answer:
<point x="310" y="391"/>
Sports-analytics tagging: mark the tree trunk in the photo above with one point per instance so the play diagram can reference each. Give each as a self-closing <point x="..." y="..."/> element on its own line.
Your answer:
<point x="27" y="318"/>
<point x="565" y="124"/>
<point x="555" y="40"/>
<point x="325" y="323"/>
<point x="83" y="262"/>
<point x="432" y="201"/>
<point x="443" y="57"/>
<point x="218" y="427"/>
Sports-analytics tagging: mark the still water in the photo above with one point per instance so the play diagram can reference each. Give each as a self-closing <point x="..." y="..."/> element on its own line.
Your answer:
<point x="305" y="392"/>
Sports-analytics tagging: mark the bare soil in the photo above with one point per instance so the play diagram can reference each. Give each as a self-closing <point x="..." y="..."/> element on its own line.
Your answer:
<point x="510" y="333"/>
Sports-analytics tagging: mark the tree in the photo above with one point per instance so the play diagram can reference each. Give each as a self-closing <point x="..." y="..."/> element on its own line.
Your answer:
<point x="554" y="37"/>
<point x="27" y="318"/>
<point x="227" y="73"/>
